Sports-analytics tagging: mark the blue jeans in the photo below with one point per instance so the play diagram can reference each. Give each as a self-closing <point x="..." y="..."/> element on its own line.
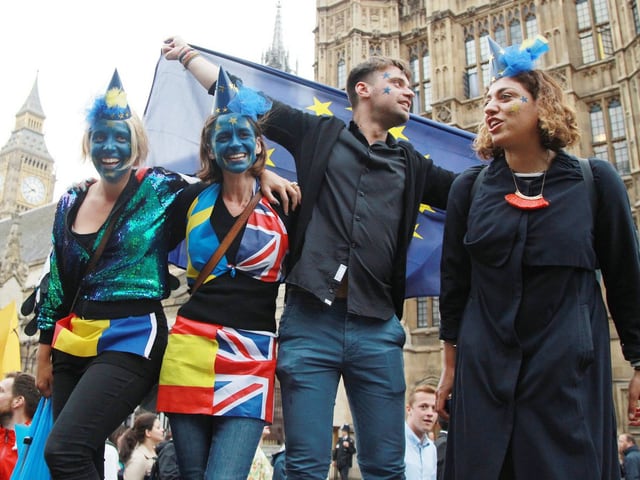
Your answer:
<point x="318" y="344"/>
<point x="215" y="448"/>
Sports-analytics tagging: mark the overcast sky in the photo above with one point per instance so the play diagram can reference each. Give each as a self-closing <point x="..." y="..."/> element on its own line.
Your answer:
<point x="73" y="47"/>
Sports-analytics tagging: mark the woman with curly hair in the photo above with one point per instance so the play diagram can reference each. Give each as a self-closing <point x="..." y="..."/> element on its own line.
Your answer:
<point x="525" y="329"/>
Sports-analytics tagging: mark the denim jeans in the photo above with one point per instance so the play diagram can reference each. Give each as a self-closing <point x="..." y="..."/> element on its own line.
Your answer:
<point x="215" y="448"/>
<point x="91" y="397"/>
<point x="318" y="344"/>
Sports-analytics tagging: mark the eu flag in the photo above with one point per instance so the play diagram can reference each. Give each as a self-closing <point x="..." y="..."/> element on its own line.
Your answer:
<point x="178" y="106"/>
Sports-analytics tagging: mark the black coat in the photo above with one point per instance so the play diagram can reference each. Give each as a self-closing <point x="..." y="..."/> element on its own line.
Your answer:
<point x="342" y="455"/>
<point x="521" y="299"/>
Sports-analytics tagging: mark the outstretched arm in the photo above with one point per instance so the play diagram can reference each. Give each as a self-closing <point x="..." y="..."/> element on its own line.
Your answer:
<point x="206" y="72"/>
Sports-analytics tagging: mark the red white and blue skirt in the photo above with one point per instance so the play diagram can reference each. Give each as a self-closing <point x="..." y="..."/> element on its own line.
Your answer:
<point x="216" y="370"/>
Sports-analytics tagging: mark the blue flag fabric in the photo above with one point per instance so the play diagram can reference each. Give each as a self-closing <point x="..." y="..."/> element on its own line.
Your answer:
<point x="178" y="106"/>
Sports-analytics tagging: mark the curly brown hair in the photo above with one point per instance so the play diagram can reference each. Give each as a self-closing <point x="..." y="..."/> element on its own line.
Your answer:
<point x="557" y="122"/>
<point x="210" y="171"/>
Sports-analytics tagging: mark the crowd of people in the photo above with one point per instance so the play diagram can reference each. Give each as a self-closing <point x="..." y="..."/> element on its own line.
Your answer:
<point x="525" y="388"/>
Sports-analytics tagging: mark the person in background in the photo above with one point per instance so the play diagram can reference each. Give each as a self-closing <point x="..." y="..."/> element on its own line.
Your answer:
<point x="630" y="454"/>
<point x="138" y="446"/>
<point x="420" y="451"/>
<point x="343" y="452"/>
<point x="526" y="356"/>
<point x="102" y="327"/>
<point x="357" y="180"/>
<point x="19" y="399"/>
<point x="218" y="374"/>
<point x="261" y="468"/>
<point x="441" y="445"/>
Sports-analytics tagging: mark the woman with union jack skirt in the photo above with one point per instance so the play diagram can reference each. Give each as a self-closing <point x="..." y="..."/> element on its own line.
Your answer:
<point x="218" y="372"/>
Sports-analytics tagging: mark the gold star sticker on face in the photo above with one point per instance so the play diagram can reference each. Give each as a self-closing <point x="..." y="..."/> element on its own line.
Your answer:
<point x="233" y="120"/>
<point x="515" y="108"/>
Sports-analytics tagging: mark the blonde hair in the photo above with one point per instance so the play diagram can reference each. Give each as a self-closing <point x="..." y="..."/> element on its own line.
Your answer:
<point x="557" y="123"/>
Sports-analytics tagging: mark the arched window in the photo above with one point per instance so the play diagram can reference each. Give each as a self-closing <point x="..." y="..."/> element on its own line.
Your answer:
<point x="342" y="74"/>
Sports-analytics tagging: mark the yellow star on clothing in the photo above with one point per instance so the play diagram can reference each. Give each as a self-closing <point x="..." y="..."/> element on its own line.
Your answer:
<point x="397" y="133"/>
<point x="320" y="108"/>
<point x="426" y="208"/>
<point x="415" y="232"/>
<point x="269" y="161"/>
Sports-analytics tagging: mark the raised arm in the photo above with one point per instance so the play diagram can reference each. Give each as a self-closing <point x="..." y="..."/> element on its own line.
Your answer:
<point x="203" y="70"/>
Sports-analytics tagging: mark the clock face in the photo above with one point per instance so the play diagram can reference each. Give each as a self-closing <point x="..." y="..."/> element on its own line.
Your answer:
<point x="33" y="190"/>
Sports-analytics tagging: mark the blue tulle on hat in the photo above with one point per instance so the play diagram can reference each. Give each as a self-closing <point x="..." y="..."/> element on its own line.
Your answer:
<point x="236" y="98"/>
<point x="113" y="105"/>
<point x="515" y="59"/>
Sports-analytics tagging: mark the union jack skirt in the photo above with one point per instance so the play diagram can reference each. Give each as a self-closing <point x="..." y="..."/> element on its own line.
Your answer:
<point x="216" y="370"/>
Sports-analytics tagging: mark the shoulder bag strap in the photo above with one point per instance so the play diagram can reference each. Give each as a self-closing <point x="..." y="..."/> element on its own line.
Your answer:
<point x="228" y="239"/>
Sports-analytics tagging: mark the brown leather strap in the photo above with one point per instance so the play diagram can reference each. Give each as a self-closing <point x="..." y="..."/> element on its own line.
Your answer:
<point x="224" y="245"/>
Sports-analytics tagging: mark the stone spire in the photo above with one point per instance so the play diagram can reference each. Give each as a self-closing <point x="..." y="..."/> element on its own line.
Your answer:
<point x="28" y="133"/>
<point x="276" y="56"/>
<point x="11" y="264"/>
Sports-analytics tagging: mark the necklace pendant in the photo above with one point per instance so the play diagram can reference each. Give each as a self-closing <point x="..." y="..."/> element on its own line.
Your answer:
<point x="525" y="202"/>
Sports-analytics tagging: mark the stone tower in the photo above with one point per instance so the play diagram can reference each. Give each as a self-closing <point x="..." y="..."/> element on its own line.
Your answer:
<point x="26" y="168"/>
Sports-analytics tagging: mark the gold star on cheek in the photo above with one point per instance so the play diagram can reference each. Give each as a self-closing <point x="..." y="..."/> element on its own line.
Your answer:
<point x="320" y="108"/>
<point x="515" y="108"/>
<point x="415" y="232"/>
<point x="269" y="153"/>
<point x="396" y="132"/>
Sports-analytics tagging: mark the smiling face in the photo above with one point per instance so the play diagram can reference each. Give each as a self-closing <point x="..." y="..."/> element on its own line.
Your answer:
<point x="390" y="96"/>
<point x="510" y="114"/>
<point x="110" y="148"/>
<point x="234" y="143"/>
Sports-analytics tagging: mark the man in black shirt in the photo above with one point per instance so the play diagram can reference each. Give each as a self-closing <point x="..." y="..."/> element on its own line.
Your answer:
<point x="347" y="264"/>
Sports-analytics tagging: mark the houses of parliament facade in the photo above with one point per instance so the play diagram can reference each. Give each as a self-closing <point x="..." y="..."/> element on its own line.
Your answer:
<point x="594" y="55"/>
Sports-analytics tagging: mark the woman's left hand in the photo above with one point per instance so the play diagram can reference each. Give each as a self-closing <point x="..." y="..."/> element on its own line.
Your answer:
<point x="289" y="192"/>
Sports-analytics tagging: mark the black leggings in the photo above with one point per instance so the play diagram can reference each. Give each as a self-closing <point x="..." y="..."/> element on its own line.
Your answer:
<point x="91" y="397"/>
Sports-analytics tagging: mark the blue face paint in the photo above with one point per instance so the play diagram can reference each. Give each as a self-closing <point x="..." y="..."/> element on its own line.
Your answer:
<point x="234" y="143"/>
<point x="110" y="144"/>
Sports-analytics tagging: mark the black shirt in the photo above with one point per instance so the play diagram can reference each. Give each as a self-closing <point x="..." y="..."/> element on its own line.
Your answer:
<point x="354" y="226"/>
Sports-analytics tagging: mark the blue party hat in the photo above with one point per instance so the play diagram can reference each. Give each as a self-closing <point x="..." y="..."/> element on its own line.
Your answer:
<point x="113" y="105"/>
<point x="235" y="98"/>
<point x="515" y="59"/>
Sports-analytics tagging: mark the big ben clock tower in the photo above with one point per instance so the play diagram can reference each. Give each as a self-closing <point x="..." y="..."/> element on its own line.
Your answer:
<point x="26" y="167"/>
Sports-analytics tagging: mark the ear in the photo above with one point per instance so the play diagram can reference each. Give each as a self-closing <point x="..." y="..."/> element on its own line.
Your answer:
<point x="363" y="89"/>
<point x="17" y="402"/>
